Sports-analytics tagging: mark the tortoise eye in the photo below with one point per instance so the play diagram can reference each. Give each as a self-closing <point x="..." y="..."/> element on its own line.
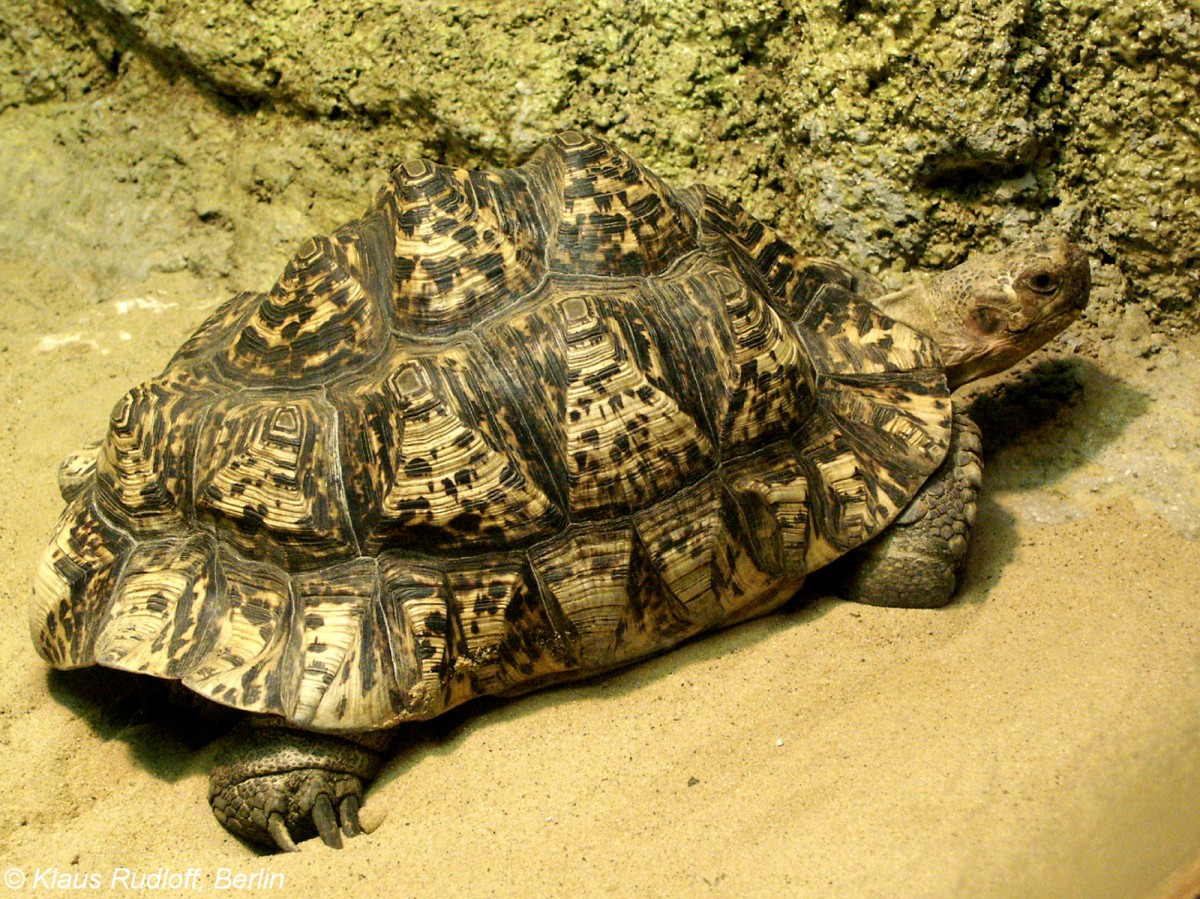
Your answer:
<point x="1042" y="282"/>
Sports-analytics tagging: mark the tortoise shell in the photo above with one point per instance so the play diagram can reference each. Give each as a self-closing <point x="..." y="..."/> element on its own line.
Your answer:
<point x="507" y="427"/>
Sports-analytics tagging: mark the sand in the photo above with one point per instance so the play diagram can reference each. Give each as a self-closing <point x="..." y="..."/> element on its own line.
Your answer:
<point x="1039" y="737"/>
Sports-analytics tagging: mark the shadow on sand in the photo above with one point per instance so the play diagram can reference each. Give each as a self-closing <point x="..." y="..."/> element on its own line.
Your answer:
<point x="167" y="729"/>
<point x="1050" y="420"/>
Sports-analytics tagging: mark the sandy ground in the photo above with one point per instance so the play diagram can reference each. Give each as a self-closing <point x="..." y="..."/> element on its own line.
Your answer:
<point x="1039" y="737"/>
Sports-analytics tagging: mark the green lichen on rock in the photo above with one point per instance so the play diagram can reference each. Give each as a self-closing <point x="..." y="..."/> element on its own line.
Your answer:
<point x="923" y="129"/>
<point x="1134" y="150"/>
<point x="897" y="135"/>
<point x="476" y="81"/>
<point x="918" y="123"/>
<point x="45" y="55"/>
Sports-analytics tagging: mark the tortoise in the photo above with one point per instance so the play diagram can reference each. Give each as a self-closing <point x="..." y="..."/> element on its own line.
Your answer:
<point x="510" y="428"/>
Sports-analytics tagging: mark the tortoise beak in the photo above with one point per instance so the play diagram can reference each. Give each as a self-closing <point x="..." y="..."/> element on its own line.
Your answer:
<point x="1076" y="269"/>
<point x="1079" y="269"/>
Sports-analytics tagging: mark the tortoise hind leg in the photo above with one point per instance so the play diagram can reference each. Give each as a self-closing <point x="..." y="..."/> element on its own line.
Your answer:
<point x="273" y="785"/>
<point x="918" y="560"/>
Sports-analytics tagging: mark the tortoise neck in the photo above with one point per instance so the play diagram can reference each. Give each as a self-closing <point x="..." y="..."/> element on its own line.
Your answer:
<point x="916" y="306"/>
<point x="932" y="305"/>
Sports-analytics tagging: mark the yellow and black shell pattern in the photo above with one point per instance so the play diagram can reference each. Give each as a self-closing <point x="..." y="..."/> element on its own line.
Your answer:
<point x="506" y="428"/>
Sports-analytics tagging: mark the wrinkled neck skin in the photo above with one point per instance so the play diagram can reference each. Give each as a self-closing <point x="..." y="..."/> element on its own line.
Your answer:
<point x="991" y="311"/>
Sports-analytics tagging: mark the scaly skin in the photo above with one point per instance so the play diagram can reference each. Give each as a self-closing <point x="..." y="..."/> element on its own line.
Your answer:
<point x="273" y="785"/>
<point x="994" y="310"/>
<point x="918" y="560"/>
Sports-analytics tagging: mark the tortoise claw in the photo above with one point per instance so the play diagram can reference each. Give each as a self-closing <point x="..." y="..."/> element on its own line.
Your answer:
<point x="277" y="787"/>
<point x="351" y="826"/>
<point x="325" y="821"/>
<point x="327" y="826"/>
<point x="279" y="833"/>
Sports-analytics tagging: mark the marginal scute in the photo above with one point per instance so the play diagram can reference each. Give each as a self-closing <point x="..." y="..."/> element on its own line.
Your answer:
<point x="699" y="545"/>
<point x="856" y="497"/>
<point x="161" y="617"/>
<point x="509" y="634"/>
<point x="615" y="217"/>
<point x="366" y="690"/>
<point x="73" y="585"/>
<point x="423" y="632"/>
<point x="316" y="321"/>
<point x="253" y="664"/>
<point x="584" y="575"/>
<point x="893" y="418"/>
<point x="463" y="246"/>
<point x="344" y="668"/>
<point x="656" y="618"/>
<point x="611" y="598"/>
<point x="772" y="489"/>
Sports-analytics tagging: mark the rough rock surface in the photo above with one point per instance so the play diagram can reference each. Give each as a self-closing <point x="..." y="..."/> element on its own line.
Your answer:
<point x="46" y="54"/>
<point x="895" y="134"/>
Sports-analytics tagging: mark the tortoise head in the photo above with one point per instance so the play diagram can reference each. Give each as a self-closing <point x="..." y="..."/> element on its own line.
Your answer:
<point x="993" y="310"/>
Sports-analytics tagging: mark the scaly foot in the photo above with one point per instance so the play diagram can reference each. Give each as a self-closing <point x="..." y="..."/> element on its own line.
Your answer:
<point x="274" y="786"/>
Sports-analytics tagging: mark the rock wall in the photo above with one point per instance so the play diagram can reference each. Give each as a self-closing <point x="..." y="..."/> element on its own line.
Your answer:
<point x="896" y="135"/>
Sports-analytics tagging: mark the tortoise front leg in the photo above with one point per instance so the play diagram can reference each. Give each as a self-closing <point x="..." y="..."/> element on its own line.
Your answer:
<point x="918" y="560"/>
<point x="273" y="785"/>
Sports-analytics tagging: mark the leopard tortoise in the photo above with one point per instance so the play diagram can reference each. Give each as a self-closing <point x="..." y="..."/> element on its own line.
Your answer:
<point x="510" y="428"/>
